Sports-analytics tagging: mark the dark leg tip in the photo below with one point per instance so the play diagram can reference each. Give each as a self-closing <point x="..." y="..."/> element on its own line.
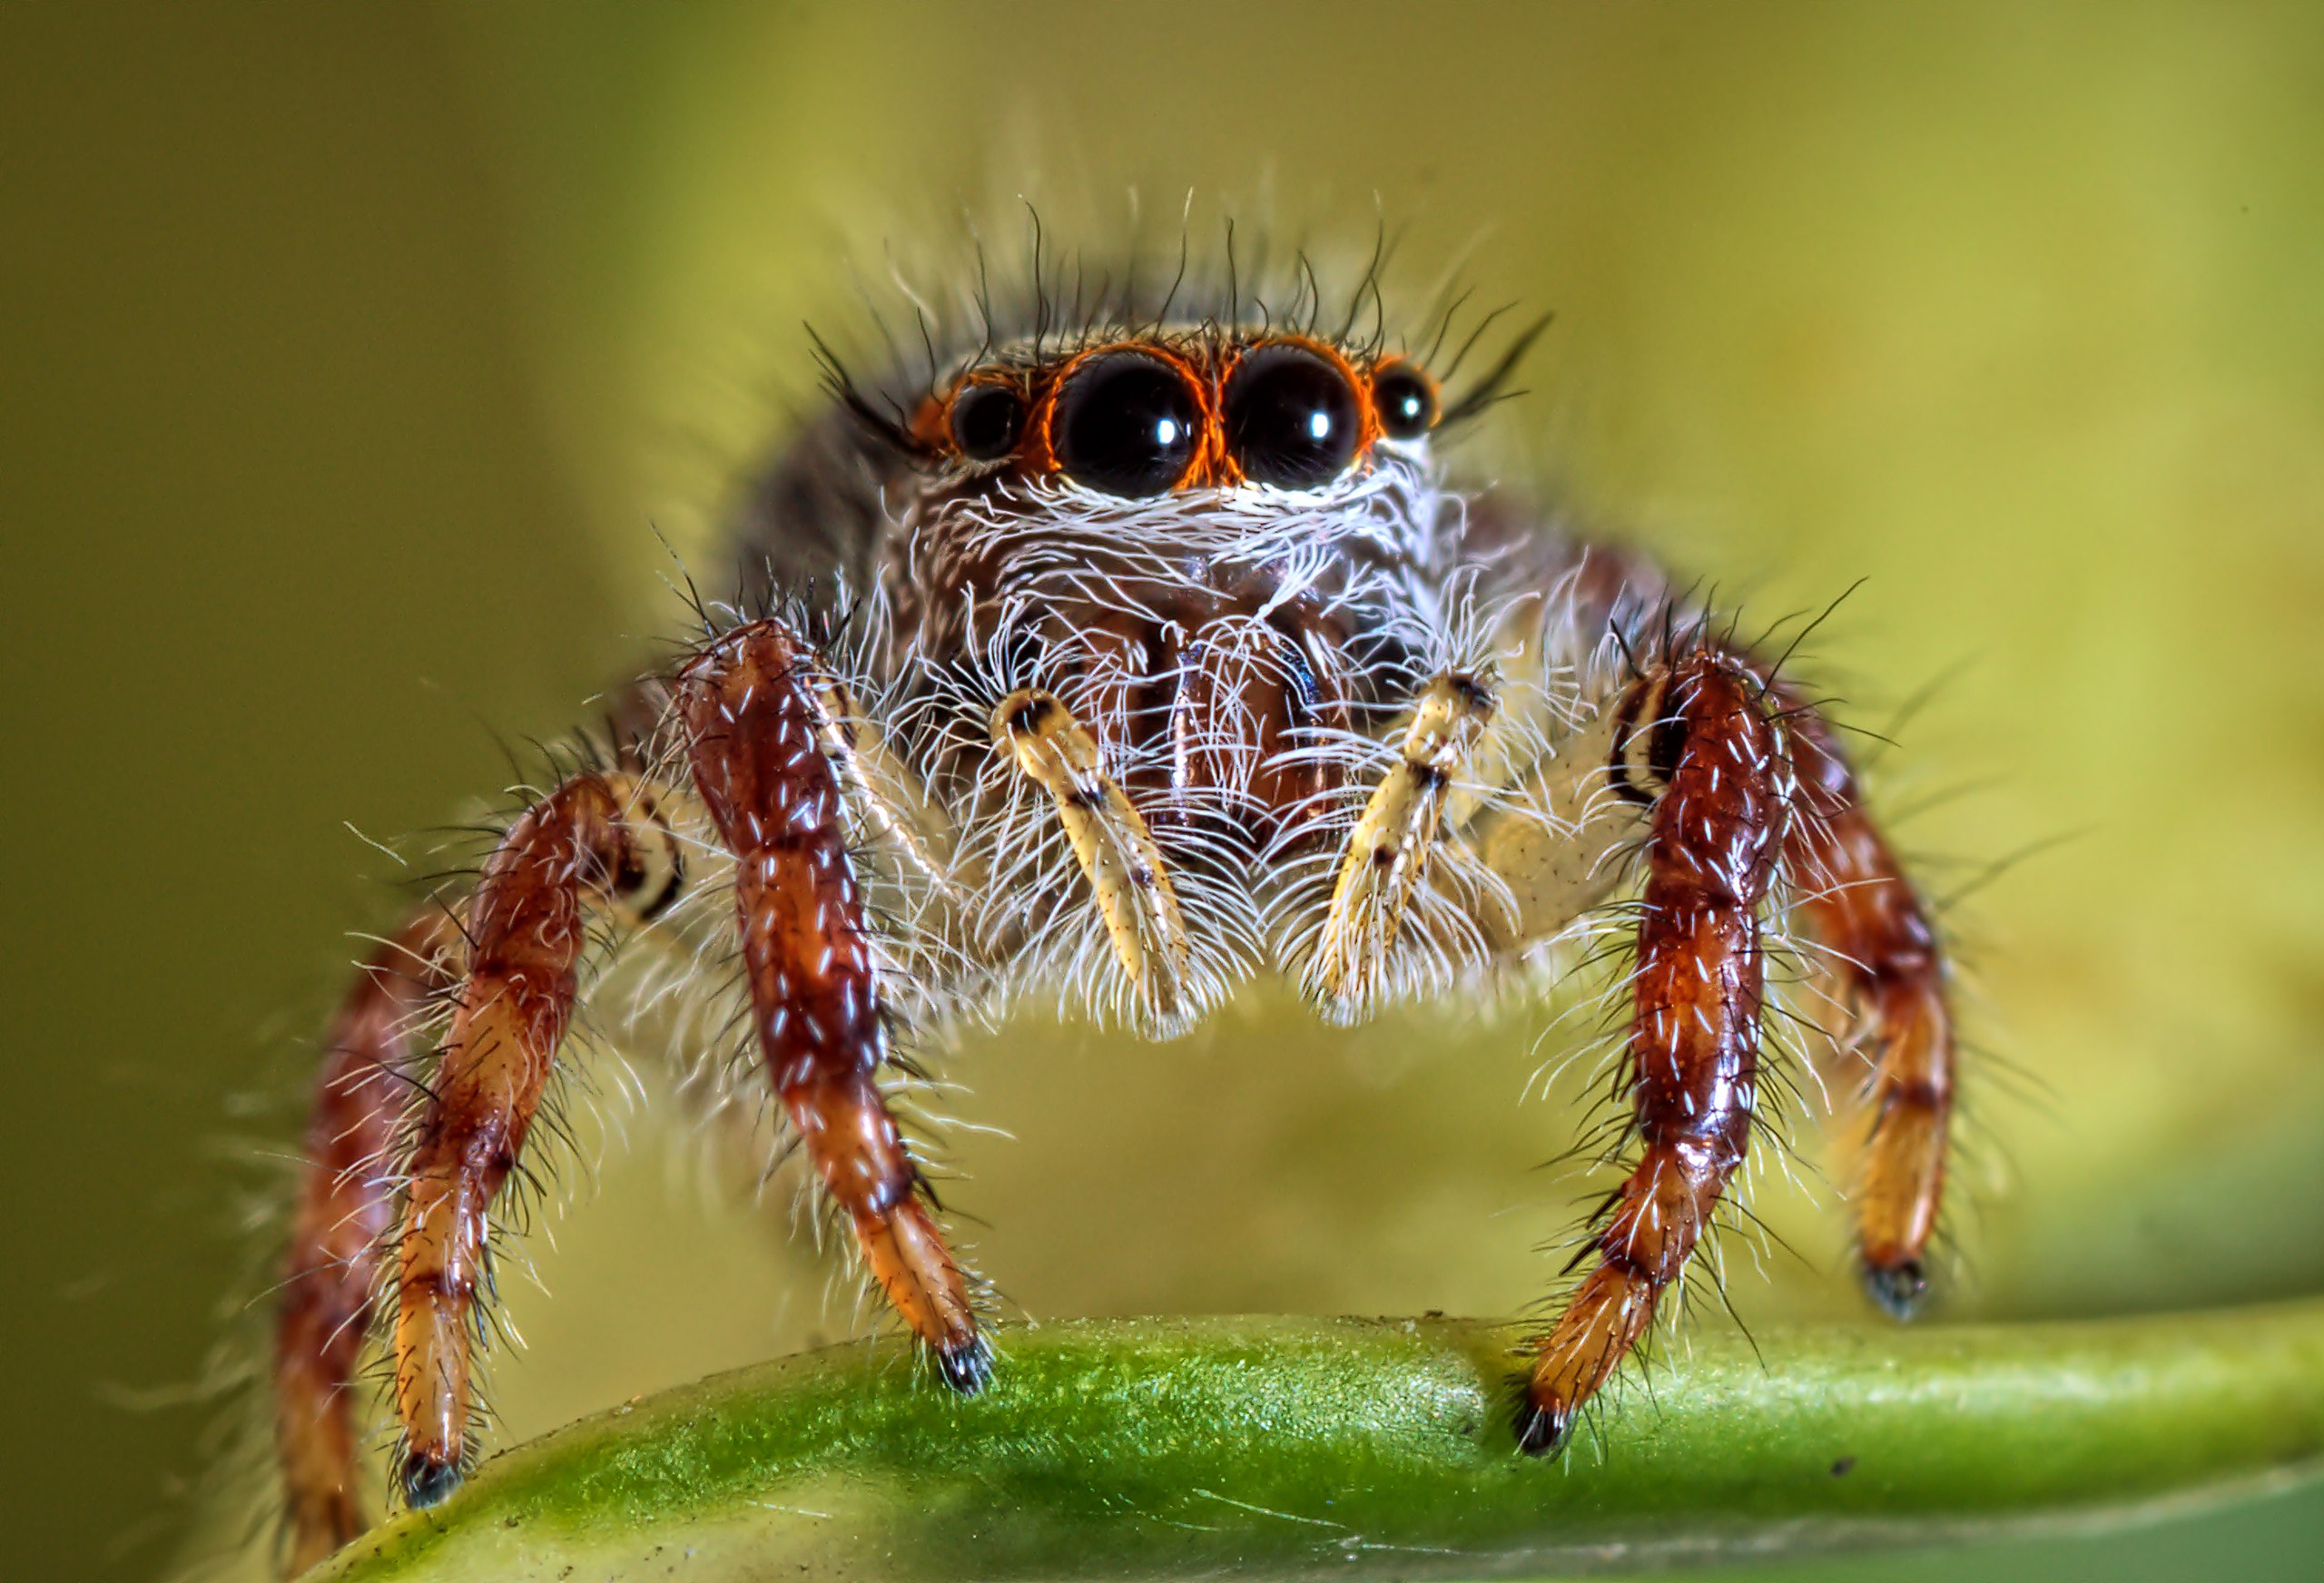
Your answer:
<point x="1542" y="1431"/>
<point x="966" y="1366"/>
<point x="1898" y="1288"/>
<point x="426" y="1481"/>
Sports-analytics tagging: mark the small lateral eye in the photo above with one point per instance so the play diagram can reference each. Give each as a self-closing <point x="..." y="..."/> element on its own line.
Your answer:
<point x="1126" y="424"/>
<point x="1292" y="418"/>
<point x="987" y="421"/>
<point x="1406" y="400"/>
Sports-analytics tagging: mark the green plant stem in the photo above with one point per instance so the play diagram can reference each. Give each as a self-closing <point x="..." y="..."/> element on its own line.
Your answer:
<point x="1362" y="1448"/>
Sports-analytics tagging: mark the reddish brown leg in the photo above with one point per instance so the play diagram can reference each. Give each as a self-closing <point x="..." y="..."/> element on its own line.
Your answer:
<point x="1700" y="731"/>
<point x="346" y="1200"/>
<point x="595" y="839"/>
<point x="755" y="736"/>
<point x="1864" y="909"/>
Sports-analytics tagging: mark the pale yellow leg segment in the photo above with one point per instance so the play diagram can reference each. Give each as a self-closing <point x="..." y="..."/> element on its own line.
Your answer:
<point x="889" y="796"/>
<point x="1388" y="850"/>
<point x="1555" y="843"/>
<point x="1110" y="840"/>
<point x="926" y="881"/>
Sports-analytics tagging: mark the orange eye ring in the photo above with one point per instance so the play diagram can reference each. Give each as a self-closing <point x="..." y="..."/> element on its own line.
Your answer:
<point x="1131" y="418"/>
<point x="1293" y="413"/>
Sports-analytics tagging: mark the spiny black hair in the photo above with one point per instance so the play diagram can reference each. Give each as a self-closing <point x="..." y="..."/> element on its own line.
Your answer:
<point x="1058" y="305"/>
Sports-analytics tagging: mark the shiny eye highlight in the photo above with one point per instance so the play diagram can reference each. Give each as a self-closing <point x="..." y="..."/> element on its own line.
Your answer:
<point x="1126" y="424"/>
<point x="1292" y="417"/>
<point x="987" y="421"/>
<point x="1404" y="399"/>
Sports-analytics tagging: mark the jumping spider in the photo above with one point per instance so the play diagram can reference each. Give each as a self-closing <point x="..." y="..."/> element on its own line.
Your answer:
<point x="1125" y="662"/>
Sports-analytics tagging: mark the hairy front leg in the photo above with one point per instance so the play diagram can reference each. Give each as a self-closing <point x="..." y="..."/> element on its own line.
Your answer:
<point x="1697" y="737"/>
<point x="760" y="747"/>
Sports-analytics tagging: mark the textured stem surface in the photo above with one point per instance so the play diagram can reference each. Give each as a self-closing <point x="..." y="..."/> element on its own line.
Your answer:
<point x="1362" y="1448"/>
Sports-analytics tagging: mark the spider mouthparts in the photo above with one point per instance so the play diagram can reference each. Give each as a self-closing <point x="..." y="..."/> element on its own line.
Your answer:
<point x="1898" y="1288"/>
<point x="966" y="1366"/>
<point x="426" y="1481"/>
<point x="1542" y="1431"/>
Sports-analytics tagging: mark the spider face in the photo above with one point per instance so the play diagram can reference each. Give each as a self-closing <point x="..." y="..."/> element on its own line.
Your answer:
<point x="1214" y="546"/>
<point x="1169" y="411"/>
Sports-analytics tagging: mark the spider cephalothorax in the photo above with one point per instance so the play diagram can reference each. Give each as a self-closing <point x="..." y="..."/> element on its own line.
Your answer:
<point x="1176" y="657"/>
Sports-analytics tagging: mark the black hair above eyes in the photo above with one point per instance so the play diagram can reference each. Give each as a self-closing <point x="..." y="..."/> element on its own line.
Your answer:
<point x="1126" y="424"/>
<point x="1292" y="417"/>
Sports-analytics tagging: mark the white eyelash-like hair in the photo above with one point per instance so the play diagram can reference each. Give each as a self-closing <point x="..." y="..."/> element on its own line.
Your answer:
<point x="1392" y="508"/>
<point x="1370" y="546"/>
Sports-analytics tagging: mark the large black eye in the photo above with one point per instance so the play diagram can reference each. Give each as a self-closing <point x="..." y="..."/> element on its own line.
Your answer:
<point x="987" y="420"/>
<point x="1291" y="417"/>
<point x="1126" y="424"/>
<point x="1405" y="401"/>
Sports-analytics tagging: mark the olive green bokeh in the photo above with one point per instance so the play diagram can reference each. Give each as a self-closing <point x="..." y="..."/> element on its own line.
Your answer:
<point x="349" y="356"/>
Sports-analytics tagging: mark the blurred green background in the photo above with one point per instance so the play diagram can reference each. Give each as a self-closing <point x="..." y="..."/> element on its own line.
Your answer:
<point x="347" y="354"/>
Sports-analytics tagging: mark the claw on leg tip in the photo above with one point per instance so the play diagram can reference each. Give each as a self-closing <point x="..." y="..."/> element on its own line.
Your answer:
<point x="426" y="1481"/>
<point x="1542" y="1431"/>
<point x="1898" y="1288"/>
<point x="966" y="1367"/>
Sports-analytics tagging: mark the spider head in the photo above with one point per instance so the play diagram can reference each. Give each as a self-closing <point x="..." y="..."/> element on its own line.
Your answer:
<point x="1162" y="478"/>
<point x="1210" y="545"/>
